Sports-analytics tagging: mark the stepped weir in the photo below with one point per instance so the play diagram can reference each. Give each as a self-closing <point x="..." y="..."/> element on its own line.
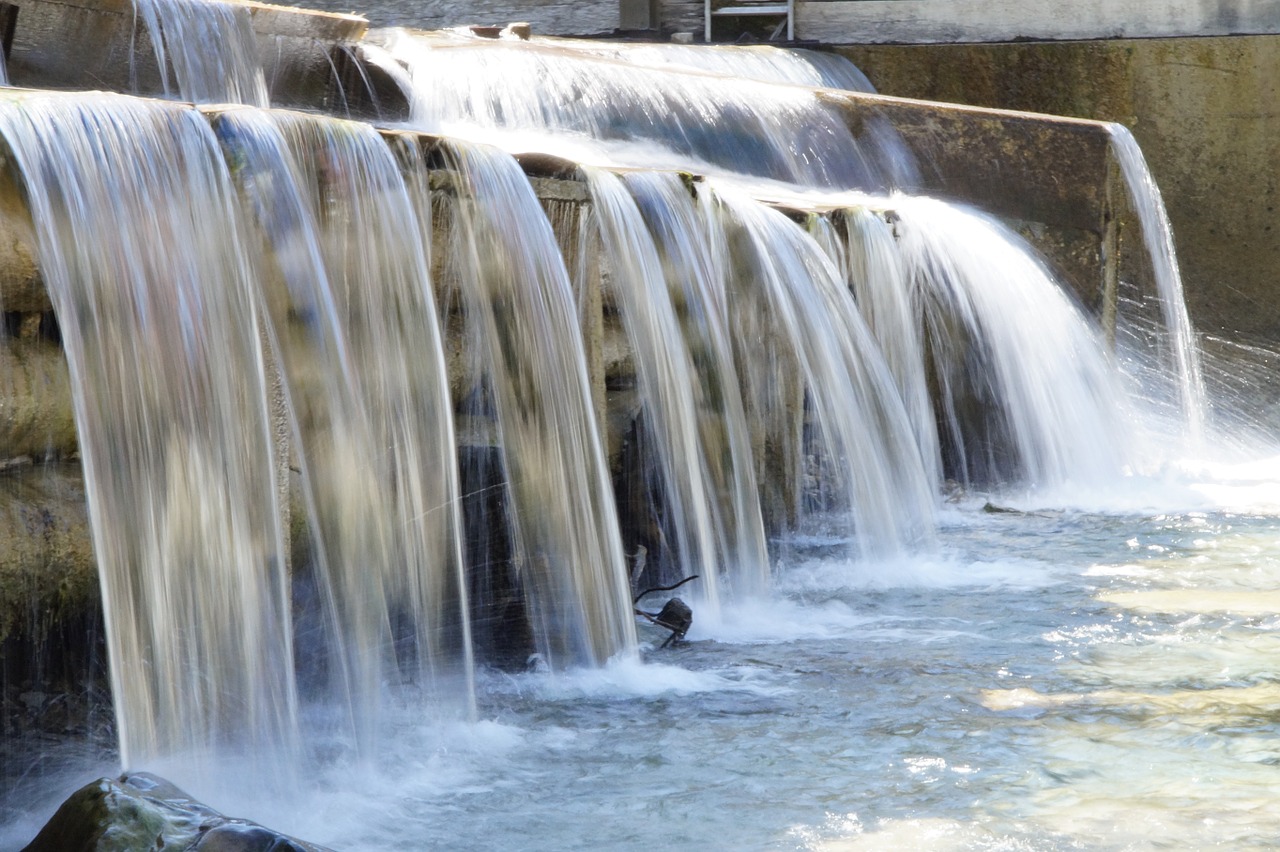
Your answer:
<point x="399" y="355"/>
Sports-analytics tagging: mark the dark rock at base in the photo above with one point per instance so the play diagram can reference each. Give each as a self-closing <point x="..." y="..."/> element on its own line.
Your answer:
<point x="139" y="812"/>
<point x="676" y="617"/>
<point x="237" y="837"/>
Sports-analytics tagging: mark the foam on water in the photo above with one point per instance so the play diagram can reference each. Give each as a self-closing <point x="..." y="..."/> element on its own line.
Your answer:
<point x="623" y="679"/>
<point x="915" y="573"/>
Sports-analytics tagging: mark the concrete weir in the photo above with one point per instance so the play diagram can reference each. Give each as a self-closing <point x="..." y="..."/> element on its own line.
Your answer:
<point x="103" y="44"/>
<point x="1052" y="178"/>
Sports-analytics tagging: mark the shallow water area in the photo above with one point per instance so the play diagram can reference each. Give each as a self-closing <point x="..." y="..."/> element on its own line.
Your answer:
<point x="1051" y="679"/>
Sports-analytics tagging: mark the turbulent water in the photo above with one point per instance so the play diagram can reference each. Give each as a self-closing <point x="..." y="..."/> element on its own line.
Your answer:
<point x="1056" y="680"/>
<point x="1053" y="679"/>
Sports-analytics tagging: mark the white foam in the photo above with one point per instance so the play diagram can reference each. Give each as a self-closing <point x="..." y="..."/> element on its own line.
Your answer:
<point x="628" y="677"/>
<point x="916" y="572"/>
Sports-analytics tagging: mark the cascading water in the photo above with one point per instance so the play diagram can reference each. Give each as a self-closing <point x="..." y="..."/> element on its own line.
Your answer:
<point x="523" y="320"/>
<point x="818" y="367"/>
<point x="695" y="277"/>
<point x="525" y="96"/>
<point x="864" y="246"/>
<point x="210" y="47"/>
<point x="863" y="458"/>
<point x="174" y="410"/>
<point x="1157" y="235"/>
<point x="359" y="343"/>
<point x="750" y="62"/>
<point x="663" y="367"/>
<point x="1026" y="390"/>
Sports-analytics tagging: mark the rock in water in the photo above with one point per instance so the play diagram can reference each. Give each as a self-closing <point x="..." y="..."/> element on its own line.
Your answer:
<point x="139" y="812"/>
<point x="676" y="616"/>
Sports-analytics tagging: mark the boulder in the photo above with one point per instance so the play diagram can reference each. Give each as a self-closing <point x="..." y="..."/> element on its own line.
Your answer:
<point x="138" y="812"/>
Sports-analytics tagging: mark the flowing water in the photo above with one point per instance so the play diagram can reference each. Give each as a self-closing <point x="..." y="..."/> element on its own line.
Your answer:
<point x="184" y="34"/>
<point x="161" y="325"/>
<point x="1157" y="234"/>
<point x="356" y="329"/>
<point x="1003" y="608"/>
<point x="523" y="323"/>
<point x="1054" y="679"/>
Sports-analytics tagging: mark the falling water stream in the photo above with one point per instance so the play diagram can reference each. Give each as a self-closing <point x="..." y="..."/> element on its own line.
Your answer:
<point x="997" y="609"/>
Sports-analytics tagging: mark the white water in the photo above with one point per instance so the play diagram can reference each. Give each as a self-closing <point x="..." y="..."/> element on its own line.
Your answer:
<point x="355" y="329"/>
<point x="523" y="96"/>
<point x="171" y="395"/>
<point x="752" y="62"/>
<point x="1061" y="679"/>
<point x="524" y="327"/>
<point x="1157" y="236"/>
<point x="669" y="410"/>
<point x="696" y="277"/>
<point x="876" y="273"/>
<point x="211" y="48"/>
<point x="1003" y="335"/>
<point x="792" y="311"/>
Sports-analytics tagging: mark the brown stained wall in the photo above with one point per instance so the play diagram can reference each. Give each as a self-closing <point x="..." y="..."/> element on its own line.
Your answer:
<point x="1206" y="112"/>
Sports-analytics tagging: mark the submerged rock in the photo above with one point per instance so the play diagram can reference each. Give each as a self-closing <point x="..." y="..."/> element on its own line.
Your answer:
<point x="139" y="812"/>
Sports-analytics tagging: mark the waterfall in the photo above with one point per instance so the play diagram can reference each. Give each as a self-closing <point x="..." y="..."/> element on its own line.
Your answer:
<point x="147" y="262"/>
<point x="399" y="334"/>
<point x="795" y="316"/>
<point x="695" y="276"/>
<point x="684" y="440"/>
<point x="864" y="246"/>
<point x="210" y="46"/>
<point x="359" y="342"/>
<point x="1027" y="392"/>
<point x="525" y="96"/>
<point x="1157" y="236"/>
<point x="523" y="322"/>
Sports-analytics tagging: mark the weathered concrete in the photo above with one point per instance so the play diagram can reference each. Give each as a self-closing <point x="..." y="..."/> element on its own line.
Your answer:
<point x="926" y="21"/>
<point x="1047" y="175"/>
<point x="101" y="44"/>
<point x="47" y="571"/>
<point x="548" y="17"/>
<point x="1206" y="112"/>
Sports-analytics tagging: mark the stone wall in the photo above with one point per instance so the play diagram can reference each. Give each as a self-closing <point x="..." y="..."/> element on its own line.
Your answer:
<point x="682" y="16"/>
<point x="548" y="17"/>
<point x="1206" y="112"/>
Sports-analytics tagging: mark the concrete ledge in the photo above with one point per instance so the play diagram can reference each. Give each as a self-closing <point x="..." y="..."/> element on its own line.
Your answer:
<point x="100" y="44"/>
<point x="268" y="19"/>
<point x="1205" y="111"/>
<point x="934" y="21"/>
<point x="1050" y="177"/>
